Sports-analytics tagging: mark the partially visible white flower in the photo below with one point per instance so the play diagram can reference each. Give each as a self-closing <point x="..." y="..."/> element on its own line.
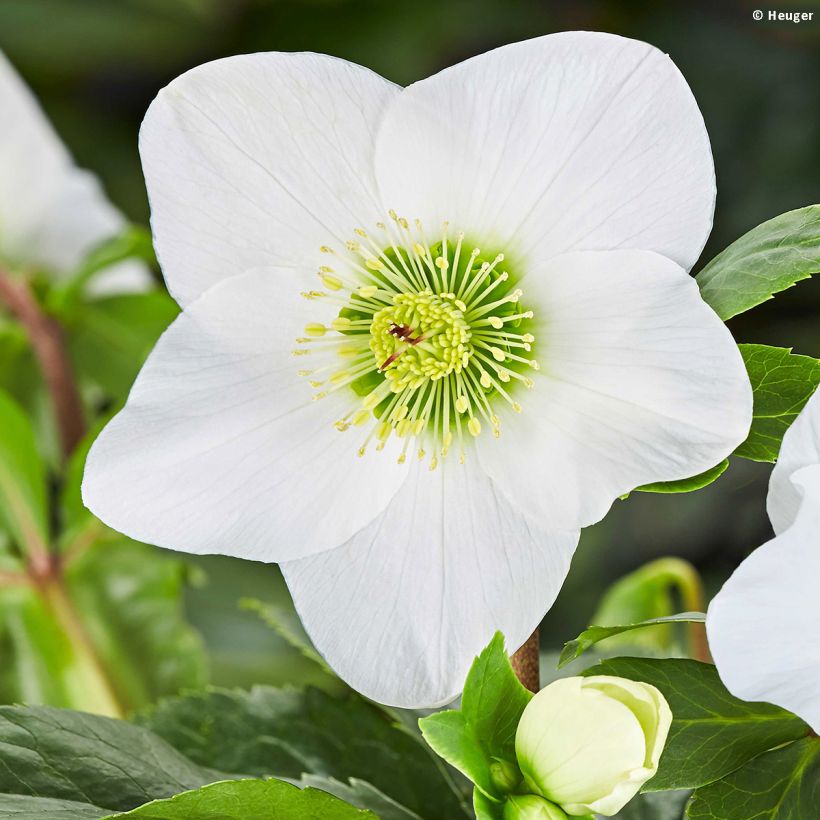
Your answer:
<point x="589" y="744"/>
<point x="51" y="212"/>
<point x="764" y="624"/>
<point x="483" y="276"/>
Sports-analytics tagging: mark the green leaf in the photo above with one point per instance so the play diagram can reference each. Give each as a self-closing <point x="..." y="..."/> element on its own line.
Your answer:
<point x="363" y="795"/>
<point x="687" y="485"/>
<point x="108" y="637"/>
<point x="589" y="637"/>
<point x="41" y="661"/>
<point x="285" y="622"/>
<point x="77" y="524"/>
<point x="713" y="733"/>
<point x="486" y="809"/>
<point x="285" y="732"/>
<point x="655" y="806"/>
<point x="494" y="699"/>
<point x="130" y="599"/>
<point x="453" y="739"/>
<point x="20" y="807"/>
<point x="768" y="259"/>
<point x="133" y="243"/>
<point x="782" y="383"/>
<point x="67" y="755"/>
<point x="23" y="505"/>
<point x="126" y="610"/>
<point x="245" y="799"/>
<point x="780" y="785"/>
<point x="657" y="589"/>
<point x="482" y="734"/>
<point x="110" y="338"/>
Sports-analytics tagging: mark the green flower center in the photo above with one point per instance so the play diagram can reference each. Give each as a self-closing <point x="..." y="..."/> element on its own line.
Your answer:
<point x="427" y="339"/>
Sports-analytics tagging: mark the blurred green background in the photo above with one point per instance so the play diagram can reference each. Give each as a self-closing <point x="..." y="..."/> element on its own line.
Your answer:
<point x="96" y="65"/>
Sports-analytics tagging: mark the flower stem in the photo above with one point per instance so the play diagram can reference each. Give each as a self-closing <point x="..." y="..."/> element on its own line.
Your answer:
<point x="526" y="663"/>
<point x="85" y="677"/>
<point x="46" y="337"/>
<point x="86" y="680"/>
<point x="11" y="579"/>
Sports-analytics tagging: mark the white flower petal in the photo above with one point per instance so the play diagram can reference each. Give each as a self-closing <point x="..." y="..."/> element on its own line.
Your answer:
<point x="800" y="448"/>
<point x="639" y="382"/>
<point x="573" y="141"/>
<point x="76" y="221"/>
<point x="33" y="163"/>
<point x="259" y="160"/>
<point x="220" y="448"/>
<point x="51" y="212"/>
<point x="401" y="610"/>
<point x="763" y="625"/>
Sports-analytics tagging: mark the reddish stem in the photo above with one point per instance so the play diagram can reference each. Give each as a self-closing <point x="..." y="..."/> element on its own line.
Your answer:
<point x="47" y="340"/>
<point x="526" y="663"/>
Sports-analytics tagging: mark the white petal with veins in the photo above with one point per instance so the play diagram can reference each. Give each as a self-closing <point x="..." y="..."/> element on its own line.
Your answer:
<point x="220" y="447"/>
<point x="259" y="160"/>
<point x="573" y="141"/>
<point x="401" y="609"/>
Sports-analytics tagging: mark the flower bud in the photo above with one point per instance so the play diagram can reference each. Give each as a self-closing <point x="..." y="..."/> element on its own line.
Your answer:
<point x="505" y="775"/>
<point x="589" y="744"/>
<point x="531" y="807"/>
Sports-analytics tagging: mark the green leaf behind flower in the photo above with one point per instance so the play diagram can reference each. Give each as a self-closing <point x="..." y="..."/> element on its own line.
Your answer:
<point x="285" y="623"/>
<point x="24" y="807"/>
<point x="363" y="795"/>
<point x="655" y="806"/>
<point x="783" y="784"/>
<point x="109" y="339"/>
<point x="687" y="485"/>
<point x="287" y="732"/>
<point x="589" y="637"/>
<point x="768" y="259"/>
<point x="713" y="733"/>
<point x="23" y="504"/>
<point x="246" y="799"/>
<point x="481" y="736"/>
<point x="129" y="596"/>
<point x="486" y="809"/>
<point x="67" y="755"/>
<point x="494" y="699"/>
<point x="782" y="382"/>
<point x="106" y="634"/>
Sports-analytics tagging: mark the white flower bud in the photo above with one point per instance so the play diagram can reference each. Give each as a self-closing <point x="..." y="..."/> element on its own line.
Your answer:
<point x="589" y="744"/>
<point x="531" y="807"/>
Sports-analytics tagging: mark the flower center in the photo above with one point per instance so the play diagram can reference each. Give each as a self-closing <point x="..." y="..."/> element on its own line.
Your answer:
<point x="420" y="337"/>
<point x="427" y="338"/>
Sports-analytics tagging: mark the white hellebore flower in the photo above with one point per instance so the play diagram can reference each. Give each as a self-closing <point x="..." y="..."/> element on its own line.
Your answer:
<point x="52" y="214"/>
<point x="763" y="626"/>
<point x="589" y="744"/>
<point x="427" y="334"/>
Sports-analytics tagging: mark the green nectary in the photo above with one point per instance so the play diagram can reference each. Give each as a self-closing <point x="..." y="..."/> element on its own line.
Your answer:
<point x="428" y="338"/>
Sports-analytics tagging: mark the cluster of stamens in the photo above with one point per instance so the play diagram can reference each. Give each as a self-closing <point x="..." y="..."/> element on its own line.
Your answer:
<point x="425" y="338"/>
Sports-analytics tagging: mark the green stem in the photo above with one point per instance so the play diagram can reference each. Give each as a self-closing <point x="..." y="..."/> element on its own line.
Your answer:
<point x="687" y="581"/>
<point x="85" y="679"/>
